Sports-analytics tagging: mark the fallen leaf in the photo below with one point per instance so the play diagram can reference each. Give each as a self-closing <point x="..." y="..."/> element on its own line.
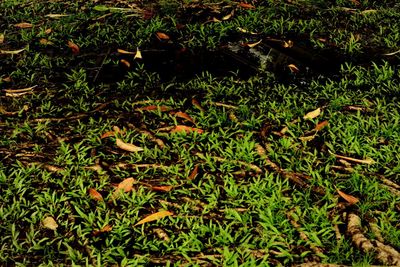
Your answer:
<point x="127" y="147"/>
<point x="194" y="173"/>
<point x="321" y="125"/>
<point x="161" y="234"/>
<point x="126" y="63"/>
<point x="162" y="188"/>
<point x="162" y="36"/>
<point x="361" y="161"/>
<point x="352" y="200"/>
<point x="154" y="217"/>
<point x="105" y="229"/>
<point x="287" y="44"/>
<point x="187" y="129"/>
<point x="185" y="116"/>
<point x="116" y="130"/>
<point x="154" y="107"/>
<point x="392" y="54"/>
<point x="125" y="52"/>
<point x="138" y="54"/>
<point x="49" y="223"/>
<point x="245" y="5"/>
<point x="124" y="186"/>
<point x="312" y="114"/>
<point x="56" y="16"/>
<point x="214" y="19"/>
<point x="229" y="15"/>
<point x="95" y="195"/>
<point x="1" y="38"/>
<point x="307" y="138"/>
<point x="293" y="68"/>
<point x="197" y="104"/>
<point x="23" y="25"/>
<point x="253" y="44"/>
<point x="11" y="52"/>
<point x="48" y="31"/>
<point x="44" y="41"/>
<point x="74" y="48"/>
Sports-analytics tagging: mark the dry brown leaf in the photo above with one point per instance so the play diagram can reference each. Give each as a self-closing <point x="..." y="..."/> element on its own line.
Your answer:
<point x="253" y="44"/>
<point x="187" y="129"/>
<point x="194" y="173"/>
<point x="105" y="229"/>
<point x="154" y="217"/>
<point x="95" y="195"/>
<point x="44" y="41"/>
<point x="361" y="161"/>
<point x="116" y="130"/>
<point x="162" y="36"/>
<point x="124" y="52"/>
<point x="127" y="146"/>
<point x="49" y="223"/>
<point x="1" y="38"/>
<point x="138" y="54"/>
<point x="124" y="186"/>
<point x="184" y="115"/>
<point x="352" y="200"/>
<point x="74" y="48"/>
<point x="56" y="16"/>
<point x="321" y="125"/>
<point x="197" y="104"/>
<point x="48" y="31"/>
<point x="11" y="52"/>
<point x="23" y="25"/>
<point x="162" y="188"/>
<point x="247" y="6"/>
<point x="154" y="107"/>
<point x="307" y="138"/>
<point x="312" y="114"/>
<point x="125" y="62"/>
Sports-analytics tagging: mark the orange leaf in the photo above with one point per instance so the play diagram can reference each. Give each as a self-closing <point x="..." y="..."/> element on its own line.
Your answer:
<point x="187" y="129"/>
<point x="253" y="44"/>
<point x="245" y="5"/>
<point x="185" y="116"/>
<point x="124" y="186"/>
<point x="193" y="174"/>
<point x="352" y="200"/>
<point x="154" y="217"/>
<point x="127" y="147"/>
<point x="23" y="25"/>
<point x="293" y="68"/>
<point x="74" y="48"/>
<point x="162" y="36"/>
<point x="121" y="51"/>
<point x="95" y="195"/>
<point x="154" y="107"/>
<point x="48" y="31"/>
<point x="105" y="229"/>
<point x="125" y="62"/>
<point x="162" y="188"/>
<point x="321" y="125"/>
<point x="197" y="104"/>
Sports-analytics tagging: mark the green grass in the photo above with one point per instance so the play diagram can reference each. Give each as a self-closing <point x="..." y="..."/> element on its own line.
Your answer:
<point x="239" y="210"/>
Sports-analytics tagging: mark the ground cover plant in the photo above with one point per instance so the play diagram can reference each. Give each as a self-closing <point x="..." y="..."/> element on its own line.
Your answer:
<point x="199" y="133"/>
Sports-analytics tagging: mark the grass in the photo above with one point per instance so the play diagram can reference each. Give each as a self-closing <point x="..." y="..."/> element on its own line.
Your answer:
<point x="252" y="182"/>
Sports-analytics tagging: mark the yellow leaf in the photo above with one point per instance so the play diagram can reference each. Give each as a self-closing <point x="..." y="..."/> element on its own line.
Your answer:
<point x="12" y="52"/>
<point x="288" y="44"/>
<point x="154" y="217"/>
<point x="138" y="54"/>
<point x="127" y="147"/>
<point x="49" y="223"/>
<point x="121" y="51"/>
<point x="352" y="200"/>
<point x="293" y="68"/>
<point x="254" y="44"/>
<point x="1" y="38"/>
<point x="228" y="16"/>
<point x="312" y="114"/>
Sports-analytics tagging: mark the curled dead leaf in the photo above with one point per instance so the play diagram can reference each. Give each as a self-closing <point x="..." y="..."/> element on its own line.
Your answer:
<point x="95" y="195"/>
<point x="312" y="114"/>
<point x="187" y="129"/>
<point x="293" y="68"/>
<point x="125" y="62"/>
<point x="74" y="48"/>
<point x="162" y="36"/>
<point x="154" y="217"/>
<point x="127" y="147"/>
<point x="49" y="223"/>
<point x="23" y="25"/>
<point x="251" y="45"/>
<point x="350" y="199"/>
